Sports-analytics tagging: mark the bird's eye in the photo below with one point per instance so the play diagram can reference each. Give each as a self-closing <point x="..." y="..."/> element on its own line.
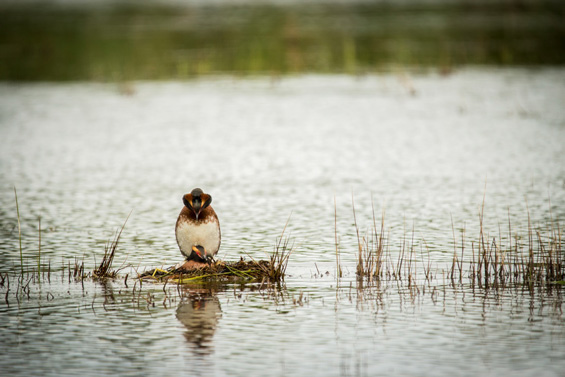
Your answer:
<point x="186" y="202"/>
<point x="207" y="200"/>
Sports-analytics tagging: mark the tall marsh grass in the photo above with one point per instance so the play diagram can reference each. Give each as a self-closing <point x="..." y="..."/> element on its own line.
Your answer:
<point x="19" y="231"/>
<point x="104" y="269"/>
<point x="536" y="257"/>
<point x="278" y="259"/>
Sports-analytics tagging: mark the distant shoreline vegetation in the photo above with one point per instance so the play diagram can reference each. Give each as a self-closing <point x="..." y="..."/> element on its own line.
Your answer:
<point x="164" y="42"/>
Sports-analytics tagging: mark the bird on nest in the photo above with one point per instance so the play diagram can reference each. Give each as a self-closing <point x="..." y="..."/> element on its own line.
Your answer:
<point x="198" y="228"/>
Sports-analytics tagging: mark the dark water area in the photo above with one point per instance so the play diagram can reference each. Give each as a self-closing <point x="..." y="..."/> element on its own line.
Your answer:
<point x="120" y="41"/>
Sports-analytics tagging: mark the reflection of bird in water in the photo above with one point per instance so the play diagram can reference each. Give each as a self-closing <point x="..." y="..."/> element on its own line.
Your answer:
<point x="199" y="312"/>
<point x="198" y="229"/>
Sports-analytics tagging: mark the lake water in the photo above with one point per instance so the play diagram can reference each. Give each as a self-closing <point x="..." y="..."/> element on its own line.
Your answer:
<point x="425" y="148"/>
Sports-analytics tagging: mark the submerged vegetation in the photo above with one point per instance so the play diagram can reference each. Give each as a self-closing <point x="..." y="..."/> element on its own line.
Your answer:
<point x="157" y="41"/>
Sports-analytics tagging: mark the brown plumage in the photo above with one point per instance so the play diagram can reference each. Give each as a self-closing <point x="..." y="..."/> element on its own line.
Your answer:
<point x="198" y="228"/>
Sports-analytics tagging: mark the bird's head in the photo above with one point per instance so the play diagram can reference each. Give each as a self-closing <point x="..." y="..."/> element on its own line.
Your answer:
<point x="201" y="252"/>
<point x="196" y="201"/>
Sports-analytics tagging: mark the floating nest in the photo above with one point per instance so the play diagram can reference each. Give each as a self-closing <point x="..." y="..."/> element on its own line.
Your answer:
<point x="218" y="271"/>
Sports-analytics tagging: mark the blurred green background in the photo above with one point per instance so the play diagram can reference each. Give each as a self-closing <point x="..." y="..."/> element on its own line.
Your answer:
<point x="115" y="41"/>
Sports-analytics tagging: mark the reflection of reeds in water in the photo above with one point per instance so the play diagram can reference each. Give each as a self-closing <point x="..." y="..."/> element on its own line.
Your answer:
<point x="382" y="296"/>
<point x="494" y="261"/>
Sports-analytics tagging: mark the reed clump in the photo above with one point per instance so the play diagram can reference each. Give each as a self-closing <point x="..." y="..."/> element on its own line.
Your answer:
<point x="275" y="268"/>
<point x="104" y="269"/>
<point x="372" y="249"/>
<point x="513" y="258"/>
<point x="537" y="258"/>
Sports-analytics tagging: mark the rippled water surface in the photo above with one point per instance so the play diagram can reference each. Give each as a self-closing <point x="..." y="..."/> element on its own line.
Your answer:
<point x="423" y="148"/>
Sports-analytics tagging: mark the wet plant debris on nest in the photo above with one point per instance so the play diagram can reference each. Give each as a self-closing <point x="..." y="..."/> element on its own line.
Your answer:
<point x="241" y="270"/>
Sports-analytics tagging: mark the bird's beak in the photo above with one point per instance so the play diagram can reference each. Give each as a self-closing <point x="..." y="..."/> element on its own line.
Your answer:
<point x="197" y="207"/>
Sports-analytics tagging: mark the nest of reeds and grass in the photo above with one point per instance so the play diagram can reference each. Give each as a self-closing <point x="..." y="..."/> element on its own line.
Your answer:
<point x="220" y="271"/>
<point x="272" y="270"/>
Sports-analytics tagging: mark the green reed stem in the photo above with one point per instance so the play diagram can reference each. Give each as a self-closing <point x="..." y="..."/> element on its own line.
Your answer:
<point x="19" y="232"/>
<point x="39" y="255"/>
<point x="338" y="267"/>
